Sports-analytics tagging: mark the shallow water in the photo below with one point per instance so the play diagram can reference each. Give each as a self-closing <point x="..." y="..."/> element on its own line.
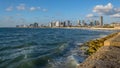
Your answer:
<point x="43" y="48"/>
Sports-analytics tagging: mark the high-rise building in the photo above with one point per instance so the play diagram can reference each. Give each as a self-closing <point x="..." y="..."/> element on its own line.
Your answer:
<point x="64" y="24"/>
<point x="68" y="24"/>
<point x="57" y="24"/>
<point x="96" y="23"/>
<point x="83" y="23"/>
<point x="51" y="24"/>
<point x="79" y="23"/>
<point x="101" y="20"/>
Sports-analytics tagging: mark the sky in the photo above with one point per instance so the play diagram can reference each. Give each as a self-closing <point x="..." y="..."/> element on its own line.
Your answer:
<point x="18" y="12"/>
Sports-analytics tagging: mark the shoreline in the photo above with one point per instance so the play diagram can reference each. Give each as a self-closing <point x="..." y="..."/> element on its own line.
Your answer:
<point x="90" y="28"/>
<point x="94" y="60"/>
<point x="92" y="46"/>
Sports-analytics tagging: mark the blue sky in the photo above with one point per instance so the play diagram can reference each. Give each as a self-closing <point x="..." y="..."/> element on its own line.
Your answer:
<point x="16" y="12"/>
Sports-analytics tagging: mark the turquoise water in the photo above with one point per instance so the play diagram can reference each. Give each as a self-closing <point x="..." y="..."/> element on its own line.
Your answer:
<point x="43" y="48"/>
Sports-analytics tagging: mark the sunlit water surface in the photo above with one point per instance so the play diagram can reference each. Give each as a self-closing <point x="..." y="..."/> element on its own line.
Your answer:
<point x="44" y="48"/>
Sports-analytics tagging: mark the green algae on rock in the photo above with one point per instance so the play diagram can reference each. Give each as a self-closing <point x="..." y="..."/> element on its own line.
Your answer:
<point x="93" y="45"/>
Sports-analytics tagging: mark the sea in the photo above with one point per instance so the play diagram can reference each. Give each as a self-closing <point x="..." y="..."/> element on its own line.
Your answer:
<point x="44" y="47"/>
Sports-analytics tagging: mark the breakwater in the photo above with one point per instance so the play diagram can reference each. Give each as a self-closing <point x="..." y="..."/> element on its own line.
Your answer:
<point x="92" y="46"/>
<point x="105" y="56"/>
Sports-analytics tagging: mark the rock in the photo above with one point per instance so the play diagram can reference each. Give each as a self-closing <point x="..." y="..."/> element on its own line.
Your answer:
<point x="105" y="57"/>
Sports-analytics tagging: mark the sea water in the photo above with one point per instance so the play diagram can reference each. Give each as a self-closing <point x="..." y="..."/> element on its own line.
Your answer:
<point x="44" y="47"/>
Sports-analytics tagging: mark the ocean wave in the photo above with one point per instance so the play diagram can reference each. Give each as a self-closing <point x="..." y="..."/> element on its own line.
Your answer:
<point x="43" y="48"/>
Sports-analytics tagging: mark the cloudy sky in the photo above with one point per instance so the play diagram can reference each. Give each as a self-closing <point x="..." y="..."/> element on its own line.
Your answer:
<point x="16" y="12"/>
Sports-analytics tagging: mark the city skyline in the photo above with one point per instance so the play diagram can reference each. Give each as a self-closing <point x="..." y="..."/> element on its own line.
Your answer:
<point x="67" y="23"/>
<point x="14" y="12"/>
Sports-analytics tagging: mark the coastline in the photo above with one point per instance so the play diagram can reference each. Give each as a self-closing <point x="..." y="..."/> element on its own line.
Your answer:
<point x="90" y="28"/>
<point x="103" y="56"/>
<point x="92" y="46"/>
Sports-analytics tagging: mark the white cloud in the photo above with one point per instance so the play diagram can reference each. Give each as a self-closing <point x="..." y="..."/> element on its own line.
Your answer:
<point x="104" y="9"/>
<point x="108" y="9"/>
<point x="26" y="8"/>
<point x="115" y="16"/>
<point x="117" y="10"/>
<point x="36" y="8"/>
<point x="9" y="8"/>
<point x="91" y="16"/>
<point x="33" y="8"/>
<point x="21" y="7"/>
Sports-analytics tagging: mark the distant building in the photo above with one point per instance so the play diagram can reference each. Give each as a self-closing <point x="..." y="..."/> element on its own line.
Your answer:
<point x="97" y="23"/>
<point x="17" y="26"/>
<point x="101" y="20"/>
<point x="68" y="24"/>
<point x="91" y="23"/>
<point x="79" y="23"/>
<point x="60" y="24"/>
<point x="116" y="25"/>
<point x="64" y="24"/>
<point x="35" y="25"/>
<point x="31" y="26"/>
<point x="50" y="24"/>
<point x="83" y="23"/>
<point x="57" y="24"/>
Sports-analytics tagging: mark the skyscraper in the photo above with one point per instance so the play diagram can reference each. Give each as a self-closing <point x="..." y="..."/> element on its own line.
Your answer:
<point x="68" y="24"/>
<point x="83" y="23"/>
<point x="96" y="22"/>
<point x="101" y="20"/>
<point x="64" y="24"/>
<point x="57" y="24"/>
<point x="79" y="23"/>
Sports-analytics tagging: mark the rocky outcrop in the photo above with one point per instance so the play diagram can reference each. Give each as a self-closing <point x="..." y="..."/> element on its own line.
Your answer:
<point x="105" y="57"/>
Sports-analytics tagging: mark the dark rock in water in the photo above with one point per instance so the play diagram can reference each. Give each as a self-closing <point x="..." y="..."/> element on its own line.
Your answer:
<point x="105" y="57"/>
